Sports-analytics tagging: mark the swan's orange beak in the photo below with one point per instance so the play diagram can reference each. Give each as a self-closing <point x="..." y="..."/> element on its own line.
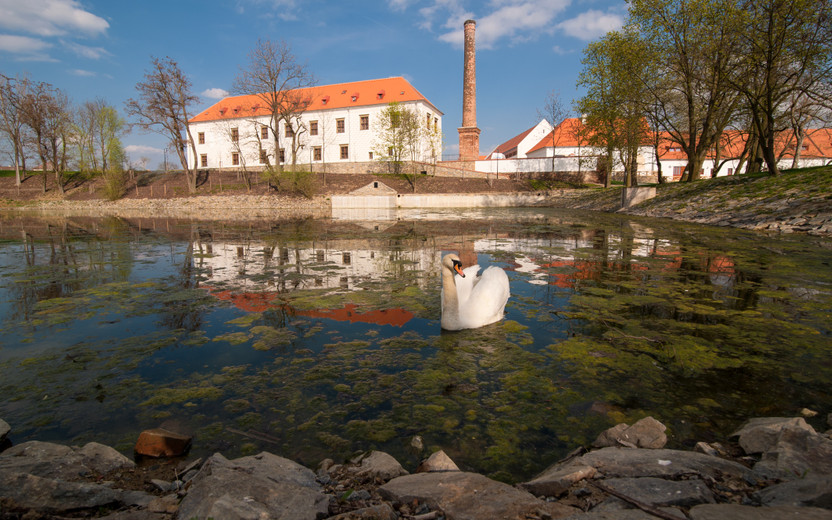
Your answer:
<point x="458" y="268"/>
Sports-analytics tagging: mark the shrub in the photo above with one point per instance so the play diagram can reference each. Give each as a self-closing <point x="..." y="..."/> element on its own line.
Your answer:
<point x="115" y="184"/>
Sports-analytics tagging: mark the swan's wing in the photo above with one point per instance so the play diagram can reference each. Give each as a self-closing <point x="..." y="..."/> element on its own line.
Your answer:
<point x="488" y="296"/>
<point x="464" y="286"/>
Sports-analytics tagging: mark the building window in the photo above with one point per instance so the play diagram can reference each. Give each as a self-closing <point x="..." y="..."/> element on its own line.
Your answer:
<point x="365" y="122"/>
<point x="282" y="155"/>
<point x="202" y="138"/>
<point x="203" y="160"/>
<point x="235" y="159"/>
<point x="263" y="156"/>
<point x="313" y="128"/>
<point x="316" y="153"/>
<point x="346" y="258"/>
<point x="371" y="156"/>
<point x="289" y="132"/>
<point x="345" y="151"/>
<point x="235" y="135"/>
<point x="264" y="132"/>
<point x="339" y="126"/>
<point x="436" y="123"/>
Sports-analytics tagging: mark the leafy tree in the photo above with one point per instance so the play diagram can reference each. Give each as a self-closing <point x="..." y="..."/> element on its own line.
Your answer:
<point x="164" y="102"/>
<point x="614" y="68"/>
<point x="784" y="57"/>
<point x="692" y="44"/>
<point x="399" y="132"/>
<point x="98" y="132"/>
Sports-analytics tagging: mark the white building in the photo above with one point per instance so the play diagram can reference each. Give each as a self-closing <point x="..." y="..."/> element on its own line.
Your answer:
<point x="338" y="126"/>
<point x="519" y="145"/>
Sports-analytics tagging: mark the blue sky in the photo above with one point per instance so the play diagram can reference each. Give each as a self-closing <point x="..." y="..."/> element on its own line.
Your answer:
<point x="101" y="49"/>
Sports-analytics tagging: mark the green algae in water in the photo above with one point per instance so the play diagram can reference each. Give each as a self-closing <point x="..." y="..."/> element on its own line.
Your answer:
<point x="675" y="322"/>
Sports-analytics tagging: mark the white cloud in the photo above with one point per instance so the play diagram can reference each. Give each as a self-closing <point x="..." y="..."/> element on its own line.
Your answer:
<point x="214" y="93"/>
<point x="398" y="5"/>
<point x="591" y="24"/>
<point x="138" y="149"/>
<point x="26" y="48"/>
<point x="21" y="44"/>
<point x="50" y="18"/>
<point x="82" y="73"/>
<point x="92" y="53"/>
<point x="503" y="20"/>
<point x="284" y="9"/>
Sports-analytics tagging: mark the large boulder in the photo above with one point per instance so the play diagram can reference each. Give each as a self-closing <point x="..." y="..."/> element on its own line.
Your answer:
<point x="557" y="479"/>
<point x="797" y="453"/>
<point x="377" y="465"/>
<point x="738" y="512"/>
<point x="760" y="435"/>
<point x="470" y="496"/>
<point x="661" y="492"/>
<point x="805" y="492"/>
<point x="438" y="461"/>
<point x="56" y="461"/>
<point x="47" y="495"/>
<point x="645" y="433"/>
<point x="663" y="463"/>
<point x="259" y="486"/>
<point x="160" y="442"/>
<point x="52" y="478"/>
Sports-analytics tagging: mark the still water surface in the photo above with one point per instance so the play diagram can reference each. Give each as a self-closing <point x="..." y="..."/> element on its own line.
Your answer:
<point x="317" y="338"/>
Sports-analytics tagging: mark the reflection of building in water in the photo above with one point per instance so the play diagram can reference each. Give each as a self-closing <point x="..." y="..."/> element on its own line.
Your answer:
<point x="563" y="260"/>
<point x="341" y="264"/>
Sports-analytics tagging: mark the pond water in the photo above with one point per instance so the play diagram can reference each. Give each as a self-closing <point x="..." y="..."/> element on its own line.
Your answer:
<point x="318" y="338"/>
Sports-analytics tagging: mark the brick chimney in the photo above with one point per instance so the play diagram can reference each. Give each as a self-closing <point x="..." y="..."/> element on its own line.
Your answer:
<point x="469" y="134"/>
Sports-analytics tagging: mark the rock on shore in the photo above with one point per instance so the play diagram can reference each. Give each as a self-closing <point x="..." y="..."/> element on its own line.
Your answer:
<point x="786" y="472"/>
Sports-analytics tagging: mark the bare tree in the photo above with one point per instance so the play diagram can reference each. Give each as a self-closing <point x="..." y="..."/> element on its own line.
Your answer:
<point x="554" y="113"/>
<point x="12" y="93"/>
<point x="274" y="75"/>
<point x="237" y="141"/>
<point x="45" y="110"/>
<point x="163" y="105"/>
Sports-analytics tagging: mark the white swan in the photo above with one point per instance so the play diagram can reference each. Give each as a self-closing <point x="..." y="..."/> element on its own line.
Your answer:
<point x="470" y="301"/>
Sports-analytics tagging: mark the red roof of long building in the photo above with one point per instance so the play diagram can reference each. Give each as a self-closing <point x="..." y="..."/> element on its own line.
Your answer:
<point x="817" y="142"/>
<point x="325" y="97"/>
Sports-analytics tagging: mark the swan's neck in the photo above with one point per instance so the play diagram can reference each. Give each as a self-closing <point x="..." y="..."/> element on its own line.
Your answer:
<point x="450" y="300"/>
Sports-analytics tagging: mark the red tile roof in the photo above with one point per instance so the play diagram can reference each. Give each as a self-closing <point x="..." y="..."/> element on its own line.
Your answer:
<point x="565" y="134"/>
<point x="341" y="95"/>
<point x="512" y="143"/>
<point x="816" y="144"/>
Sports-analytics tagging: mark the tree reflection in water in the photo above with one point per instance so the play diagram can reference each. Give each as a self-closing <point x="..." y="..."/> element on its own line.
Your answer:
<point x="317" y="338"/>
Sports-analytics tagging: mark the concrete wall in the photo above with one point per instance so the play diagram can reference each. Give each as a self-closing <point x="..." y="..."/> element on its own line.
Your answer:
<point x="633" y="196"/>
<point x="415" y="201"/>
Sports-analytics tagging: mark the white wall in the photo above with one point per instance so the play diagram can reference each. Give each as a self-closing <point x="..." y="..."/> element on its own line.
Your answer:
<point x="532" y="165"/>
<point x="218" y="147"/>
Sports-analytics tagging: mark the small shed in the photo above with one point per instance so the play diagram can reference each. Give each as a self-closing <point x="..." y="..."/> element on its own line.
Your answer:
<point x="374" y="188"/>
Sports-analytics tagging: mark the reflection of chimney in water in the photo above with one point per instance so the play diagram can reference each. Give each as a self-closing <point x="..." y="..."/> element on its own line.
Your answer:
<point x="469" y="134"/>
